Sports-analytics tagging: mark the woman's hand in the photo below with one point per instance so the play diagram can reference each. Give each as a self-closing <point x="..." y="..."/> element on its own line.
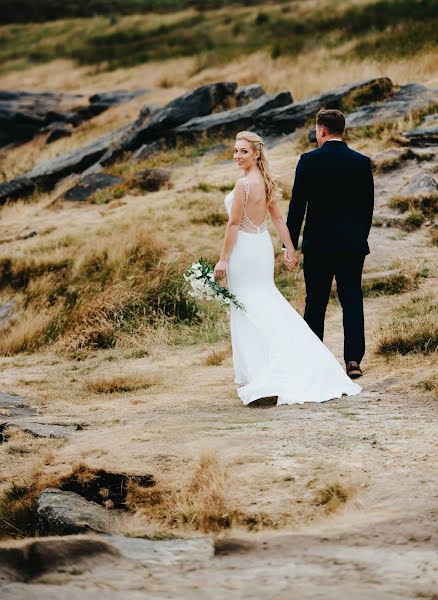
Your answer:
<point x="220" y="268"/>
<point x="291" y="259"/>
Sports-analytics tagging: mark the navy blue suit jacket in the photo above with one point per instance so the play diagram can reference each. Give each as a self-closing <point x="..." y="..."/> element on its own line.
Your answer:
<point x="335" y="185"/>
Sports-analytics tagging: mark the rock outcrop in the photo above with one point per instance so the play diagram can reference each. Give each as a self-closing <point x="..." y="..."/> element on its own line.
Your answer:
<point x="289" y="118"/>
<point x="199" y="102"/>
<point x="26" y="114"/>
<point x="409" y="98"/>
<point x="230" y="121"/>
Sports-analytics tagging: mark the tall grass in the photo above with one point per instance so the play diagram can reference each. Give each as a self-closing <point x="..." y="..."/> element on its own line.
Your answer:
<point x="413" y="328"/>
<point x="89" y="294"/>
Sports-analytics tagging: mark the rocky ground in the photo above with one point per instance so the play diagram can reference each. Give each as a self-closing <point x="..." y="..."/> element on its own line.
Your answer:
<point x="375" y="538"/>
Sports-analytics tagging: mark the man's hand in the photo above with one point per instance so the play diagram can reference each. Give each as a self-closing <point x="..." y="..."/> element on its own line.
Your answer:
<point x="291" y="259"/>
<point x="219" y="270"/>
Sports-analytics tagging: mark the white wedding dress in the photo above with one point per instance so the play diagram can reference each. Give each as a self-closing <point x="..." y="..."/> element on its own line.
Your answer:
<point x="275" y="353"/>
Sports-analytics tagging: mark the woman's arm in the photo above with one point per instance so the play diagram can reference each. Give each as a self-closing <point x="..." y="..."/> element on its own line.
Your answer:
<point x="231" y="229"/>
<point x="290" y="257"/>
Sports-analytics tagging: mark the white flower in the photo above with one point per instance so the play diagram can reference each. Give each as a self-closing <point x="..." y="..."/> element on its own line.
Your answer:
<point x="227" y="300"/>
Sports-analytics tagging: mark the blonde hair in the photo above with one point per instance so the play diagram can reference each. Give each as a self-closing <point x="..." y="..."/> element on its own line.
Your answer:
<point x="272" y="189"/>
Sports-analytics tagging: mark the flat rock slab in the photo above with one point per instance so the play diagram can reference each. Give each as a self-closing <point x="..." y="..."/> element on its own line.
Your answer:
<point x="44" y="430"/>
<point x="66" y="513"/>
<point x="163" y="552"/>
<point x="15" y="406"/>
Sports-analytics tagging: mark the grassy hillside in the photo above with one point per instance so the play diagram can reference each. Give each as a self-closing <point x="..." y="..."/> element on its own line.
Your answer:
<point x="23" y="11"/>
<point x="381" y="29"/>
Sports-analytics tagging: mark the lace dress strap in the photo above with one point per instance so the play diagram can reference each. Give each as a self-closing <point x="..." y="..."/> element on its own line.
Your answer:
<point x="246" y="224"/>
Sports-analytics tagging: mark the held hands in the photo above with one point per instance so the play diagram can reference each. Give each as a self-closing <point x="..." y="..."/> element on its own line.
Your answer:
<point x="219" y="270"/>
<point x="291" y="259"/>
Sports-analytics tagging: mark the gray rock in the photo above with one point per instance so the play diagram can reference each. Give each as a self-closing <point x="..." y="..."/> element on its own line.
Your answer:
<point x="21" y="187"/>
<point x="230" y="121"/>
<point x="26" y="114"/>
<point x="151" y="180"/>
<point x="66" y="513"/>
<point x="163" y="552"/>
<point x="199" y="102"/>
<point x="293" y="116"/>
<point x="48" y="173"/>
<point x="423" y="136"/>
<point x="408" y="98"/>
<point x="44" y="430"/>
<point x="421" y="185"/>
<point x="30" y="558"/>
<point x="15" y="406"/>
<point x="6" y="312"/>
<point x="247" y="93"/>
<point x="89" y="185"/>
<point x="146" y="151"/>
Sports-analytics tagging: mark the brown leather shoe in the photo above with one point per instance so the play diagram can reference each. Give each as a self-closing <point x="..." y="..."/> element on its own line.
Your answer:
<point x="353" y="369"/>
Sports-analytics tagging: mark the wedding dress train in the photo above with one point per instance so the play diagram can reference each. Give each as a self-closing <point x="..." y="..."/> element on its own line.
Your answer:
<point x="275" y="353"/>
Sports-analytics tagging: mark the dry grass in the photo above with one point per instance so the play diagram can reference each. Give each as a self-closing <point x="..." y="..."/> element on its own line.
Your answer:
<point x="216" y="357"/>
<point x="394" y="162"/>
<point x="121" y="382"/>
<point x="396" y="283"/>
<point x="430" y="384"/>
<point x="413" y="328"/>
<point x="203" y="504"/>
<point x="334" y="495"/>
<point x="426" y="204"/>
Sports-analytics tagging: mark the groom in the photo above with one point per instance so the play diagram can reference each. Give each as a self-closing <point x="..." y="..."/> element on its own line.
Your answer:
<point x="335" y="185"/>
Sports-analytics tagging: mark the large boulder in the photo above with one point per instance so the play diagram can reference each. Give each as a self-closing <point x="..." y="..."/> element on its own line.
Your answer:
<point x="66" y="513"/>
<point x="89" y="185"/>
<point x="199" y="102"/>
<point x="289" y="118"/>
<point x="421" y="185"/>
<point x="230" y="121"/>
<point x="410" y="97"/>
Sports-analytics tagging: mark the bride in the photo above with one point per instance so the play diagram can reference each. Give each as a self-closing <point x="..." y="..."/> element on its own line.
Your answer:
<point x="275" y="353"/>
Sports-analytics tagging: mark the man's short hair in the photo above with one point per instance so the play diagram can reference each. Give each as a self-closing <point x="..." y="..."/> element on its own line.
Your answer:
<point x="333" y="119"/>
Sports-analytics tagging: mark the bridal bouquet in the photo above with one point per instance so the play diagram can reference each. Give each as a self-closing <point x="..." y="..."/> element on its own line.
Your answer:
<point x="204" y="287"/>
